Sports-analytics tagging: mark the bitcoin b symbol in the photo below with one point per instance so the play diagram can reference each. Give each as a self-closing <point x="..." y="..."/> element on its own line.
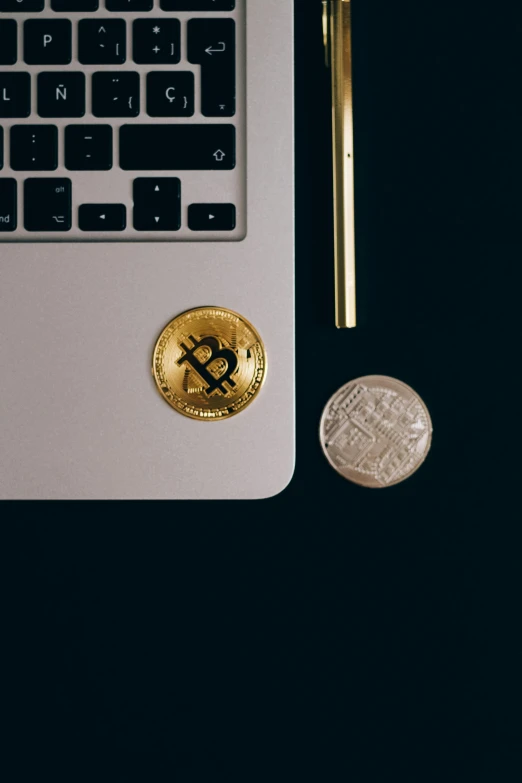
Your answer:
<point x="209" y="363"/>
<point x="214" y="364"/>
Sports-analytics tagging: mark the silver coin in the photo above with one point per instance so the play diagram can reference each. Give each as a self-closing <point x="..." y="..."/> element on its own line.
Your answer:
<point x="376" y="431"/>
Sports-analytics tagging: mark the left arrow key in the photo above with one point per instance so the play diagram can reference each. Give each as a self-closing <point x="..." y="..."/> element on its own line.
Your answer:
<point x="102" y="217"/>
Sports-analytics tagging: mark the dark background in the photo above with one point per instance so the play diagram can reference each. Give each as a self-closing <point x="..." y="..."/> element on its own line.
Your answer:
<point x="332" y="633"/>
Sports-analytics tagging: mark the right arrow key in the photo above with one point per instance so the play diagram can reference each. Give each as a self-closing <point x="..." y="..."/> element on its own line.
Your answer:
<point x="212" y="217"/>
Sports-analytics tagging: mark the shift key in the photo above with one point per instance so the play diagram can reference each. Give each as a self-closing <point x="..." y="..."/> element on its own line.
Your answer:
<point x="47" y="204"/>
<point x="178" y="147"/>
<point x="7" y="204"/>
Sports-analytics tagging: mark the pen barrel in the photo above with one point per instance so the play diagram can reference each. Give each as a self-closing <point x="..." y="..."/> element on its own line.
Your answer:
<point x="343" y="162"/>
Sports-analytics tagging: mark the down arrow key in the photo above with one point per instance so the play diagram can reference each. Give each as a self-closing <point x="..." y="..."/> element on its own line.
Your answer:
<point x="157" y="204"/>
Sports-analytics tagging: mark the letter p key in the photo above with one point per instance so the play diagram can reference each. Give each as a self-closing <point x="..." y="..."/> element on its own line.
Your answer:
<point x="46" y="41"/>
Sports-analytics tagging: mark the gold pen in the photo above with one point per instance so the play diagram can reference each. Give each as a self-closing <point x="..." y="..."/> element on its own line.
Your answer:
<point x="337" y="30"/>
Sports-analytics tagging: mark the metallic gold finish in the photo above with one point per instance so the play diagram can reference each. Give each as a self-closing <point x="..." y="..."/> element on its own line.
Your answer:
<point x="326" y="33"/>
<point x="376" y="431"/>
<point x="209" y="363"/>
<point x="337" y="31"/>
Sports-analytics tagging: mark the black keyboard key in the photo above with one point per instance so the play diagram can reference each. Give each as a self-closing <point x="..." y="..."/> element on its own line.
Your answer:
<point x="129" y="5"/>
<point x="156" y="41"/>
<point x="157" y="204"/>
<point x="47" y="204"/>
<point x="8" y="42"/>
<point x="88" y="147"/>
<point x="211" y="44"/>
<point x="212" y="217"/>
<point x="102" y="217"/>
<point x="47" y="42"/>
<point x="197" y="5"/>
<point x="21" y="5"/>
<point x="75" y="5"/>
<point x="116" y="94"/>
<point x="170" y="94"/>
<point x="61" y="94"/>
<point x="177" y="147"/>
<point x="34" y="147"/>
<point x="7" y="204"/>
<point x="15" y="94"/>
<point x="102" y="41"/>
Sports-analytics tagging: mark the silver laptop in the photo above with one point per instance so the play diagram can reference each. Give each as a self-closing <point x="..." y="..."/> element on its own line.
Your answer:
<point x="147" y="169"/>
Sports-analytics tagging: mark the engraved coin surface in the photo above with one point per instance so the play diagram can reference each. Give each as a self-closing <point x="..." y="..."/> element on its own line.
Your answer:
<point x="209" y="363"/>
<point x="376" y="431"/>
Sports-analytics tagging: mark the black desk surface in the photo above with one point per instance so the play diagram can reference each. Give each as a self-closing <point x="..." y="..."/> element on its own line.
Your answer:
<point x="332" y="633"/>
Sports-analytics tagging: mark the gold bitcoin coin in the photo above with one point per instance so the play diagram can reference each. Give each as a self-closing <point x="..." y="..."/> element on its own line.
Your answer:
<point x="376" y="431"/>
<point x="209" y="363"/>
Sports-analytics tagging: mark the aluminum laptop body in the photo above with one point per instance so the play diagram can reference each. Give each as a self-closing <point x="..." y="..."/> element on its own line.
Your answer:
<point x="80" y="416"/>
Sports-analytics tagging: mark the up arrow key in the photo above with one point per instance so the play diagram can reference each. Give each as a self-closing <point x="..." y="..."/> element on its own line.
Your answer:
<point x="157" y="203"/>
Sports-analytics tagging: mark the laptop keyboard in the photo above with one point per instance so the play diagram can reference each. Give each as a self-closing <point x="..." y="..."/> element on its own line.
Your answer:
<point x="122" y="120"/>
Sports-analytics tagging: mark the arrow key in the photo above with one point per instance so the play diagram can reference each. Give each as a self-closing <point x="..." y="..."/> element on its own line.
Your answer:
<point x="197" y="5"/>
<point x="157" y="204"/>
<point x="212" y="217"/>
<point x="102" y="217"/>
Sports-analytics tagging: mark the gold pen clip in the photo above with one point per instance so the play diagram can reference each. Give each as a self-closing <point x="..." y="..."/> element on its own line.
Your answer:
<point x="337" y="31"/>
